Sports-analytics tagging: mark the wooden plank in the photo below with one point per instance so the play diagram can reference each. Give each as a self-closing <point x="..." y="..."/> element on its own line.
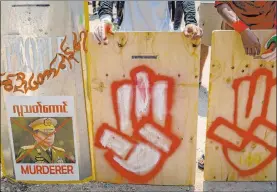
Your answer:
<point x="163" y="56"/>
<point x="241" y="134"/>
<point x="79" y="16"/>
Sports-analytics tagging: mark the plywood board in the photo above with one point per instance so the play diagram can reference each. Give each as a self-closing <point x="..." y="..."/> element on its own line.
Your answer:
<point x="32" y="52"/>
<point x="241" y="132"/>
<point x="144" y="100"/>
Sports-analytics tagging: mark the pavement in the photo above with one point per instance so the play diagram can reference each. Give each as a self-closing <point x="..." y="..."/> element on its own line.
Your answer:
<point x="200" y="184"/>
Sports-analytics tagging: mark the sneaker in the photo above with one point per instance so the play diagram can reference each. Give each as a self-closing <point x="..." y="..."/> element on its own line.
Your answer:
<point x="201" y="162"/>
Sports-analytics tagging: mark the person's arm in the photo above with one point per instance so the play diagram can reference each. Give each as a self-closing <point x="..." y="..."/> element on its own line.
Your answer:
<point x="189" y="12"/>
<point x="106" y="26"/>
<point x="192" y="30"/>
<point x="250" y="41"/>
<point x="105" y="11"/>
<point x="229" y="16"/>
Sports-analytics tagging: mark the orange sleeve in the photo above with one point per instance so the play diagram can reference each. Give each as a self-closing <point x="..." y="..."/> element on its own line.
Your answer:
<point x="216" y="3"/>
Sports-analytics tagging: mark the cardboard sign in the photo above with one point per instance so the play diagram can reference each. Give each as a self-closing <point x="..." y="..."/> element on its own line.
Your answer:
<point x="43" y="138"/>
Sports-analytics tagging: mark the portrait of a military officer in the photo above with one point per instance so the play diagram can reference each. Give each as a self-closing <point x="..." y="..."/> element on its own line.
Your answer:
<point x="43" y="150"/>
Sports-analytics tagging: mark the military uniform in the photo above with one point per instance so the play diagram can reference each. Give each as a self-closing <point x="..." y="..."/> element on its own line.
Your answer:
<point x="38" y="154"/>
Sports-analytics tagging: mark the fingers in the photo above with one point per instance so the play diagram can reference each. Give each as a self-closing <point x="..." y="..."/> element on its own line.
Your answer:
<point x="198" y="34"/>
<point x="108" y="138"/>
<point x="193" y="32"/>
<point x="109" y="28"/>
<point x="251" y="43"/>
<point x="160" y="101"/>
<point x="157" y="138"/>
<point x="145" y="96"/>
<point x="189" y="31"/>
<point x="269" y="56"/>
<point x="271" y="115"/>
<point x="187" y="34"/>
<point x="258" y="50"/>
<point x="141" y="161"/>
<point x="124" y="100"/>
<point x="252" y="51"/>
<point x="226" y="133"/>
<point x="101" y="31"/>
<point x="96" y="35"/>
<point x="245" y="50"/>
<point x="266" y="131"/>
<point x="244" y="105"/>
<point x="250" y="97"/>
<point x="142" y="98"/>
<point x="104" y="33"/>
<point x="153" y="97"/>
<point x="249" y="51"/>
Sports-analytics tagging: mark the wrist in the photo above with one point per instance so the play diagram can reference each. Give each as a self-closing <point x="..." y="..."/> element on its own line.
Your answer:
<point x="106" y="19"/>
<point x="239" y="26"/>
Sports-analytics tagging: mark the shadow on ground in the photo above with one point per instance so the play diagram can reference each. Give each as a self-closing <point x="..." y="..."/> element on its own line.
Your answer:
<point x="203" y="102"/>
<point x="239" y="186"/>
<point x="7" y="185"/>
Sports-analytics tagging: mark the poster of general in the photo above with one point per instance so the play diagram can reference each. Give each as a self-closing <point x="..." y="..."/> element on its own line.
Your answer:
<point x="42" y="137"/>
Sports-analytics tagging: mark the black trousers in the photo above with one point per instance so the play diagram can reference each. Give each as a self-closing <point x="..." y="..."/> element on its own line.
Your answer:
<point x="171" y="6"/>
<point x="119" y="11"/>
<point x="93" y="4"/>
<point x="178" y="15"/>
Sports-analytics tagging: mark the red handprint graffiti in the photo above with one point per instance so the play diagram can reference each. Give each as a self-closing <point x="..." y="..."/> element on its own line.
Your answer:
<point x="248" y="135"/>
<point x="142" y="140"/>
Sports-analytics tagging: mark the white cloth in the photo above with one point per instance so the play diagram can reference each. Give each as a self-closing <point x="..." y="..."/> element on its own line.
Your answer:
<point x="145" y="16"/>
<point x="207" y="1"/>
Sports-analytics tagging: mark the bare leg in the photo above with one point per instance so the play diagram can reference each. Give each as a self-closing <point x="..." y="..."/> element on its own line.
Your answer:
<point x="203" y="57"/>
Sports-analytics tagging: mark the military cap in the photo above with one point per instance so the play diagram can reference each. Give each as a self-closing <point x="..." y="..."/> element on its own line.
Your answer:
<point x="43" y="124"/>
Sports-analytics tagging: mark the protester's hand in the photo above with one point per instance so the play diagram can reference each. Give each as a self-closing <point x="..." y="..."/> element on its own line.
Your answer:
<point x="101" y="31"/>
<point x="193" y="32"/>
<point x="270" y="53"/>
<point x="250" y="42"/>
<point x="269" y="56"/>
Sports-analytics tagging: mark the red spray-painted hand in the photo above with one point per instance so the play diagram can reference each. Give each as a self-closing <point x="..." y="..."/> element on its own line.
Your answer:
<point x="143" y="139"/>
<point x="250" y="113"/>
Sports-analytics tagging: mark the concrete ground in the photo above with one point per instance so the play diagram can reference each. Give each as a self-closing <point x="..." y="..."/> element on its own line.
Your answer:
<point x="200" y="184"/>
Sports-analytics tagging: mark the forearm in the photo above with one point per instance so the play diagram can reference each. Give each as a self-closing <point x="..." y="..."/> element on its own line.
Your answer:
<point x="105" y="10"/>
<point x="189" y="12"/>
<point x="228" y="15"/>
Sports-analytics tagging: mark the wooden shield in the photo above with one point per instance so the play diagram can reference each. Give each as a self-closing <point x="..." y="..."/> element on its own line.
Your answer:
<point x="144" y="100"/>
<point x="241" y="132"/>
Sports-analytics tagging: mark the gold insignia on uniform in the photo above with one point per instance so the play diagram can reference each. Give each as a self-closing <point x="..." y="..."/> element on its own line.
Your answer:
<point x="40" y="161"/>
<point x="28" y="147"/>
<point x="39" y="158"/>
<point x="44" y="124"/>
<point x="60" y="160"/>
<point x="48" y="122"/>
<point x="59" y="149"/>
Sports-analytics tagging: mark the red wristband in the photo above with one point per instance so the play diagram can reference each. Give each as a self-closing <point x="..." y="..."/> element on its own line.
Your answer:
<point x="239" y="26"/>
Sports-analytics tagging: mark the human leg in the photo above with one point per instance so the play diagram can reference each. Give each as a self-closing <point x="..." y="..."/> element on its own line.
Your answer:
<point x="178" y="15"/>
<point x="209" y="20"/>
<point x="203" y="57"/>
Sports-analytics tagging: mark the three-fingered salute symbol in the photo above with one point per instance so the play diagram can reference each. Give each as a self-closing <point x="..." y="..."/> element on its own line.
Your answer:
<point x="143" y="140"/>
<point x="252" y="121"/>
